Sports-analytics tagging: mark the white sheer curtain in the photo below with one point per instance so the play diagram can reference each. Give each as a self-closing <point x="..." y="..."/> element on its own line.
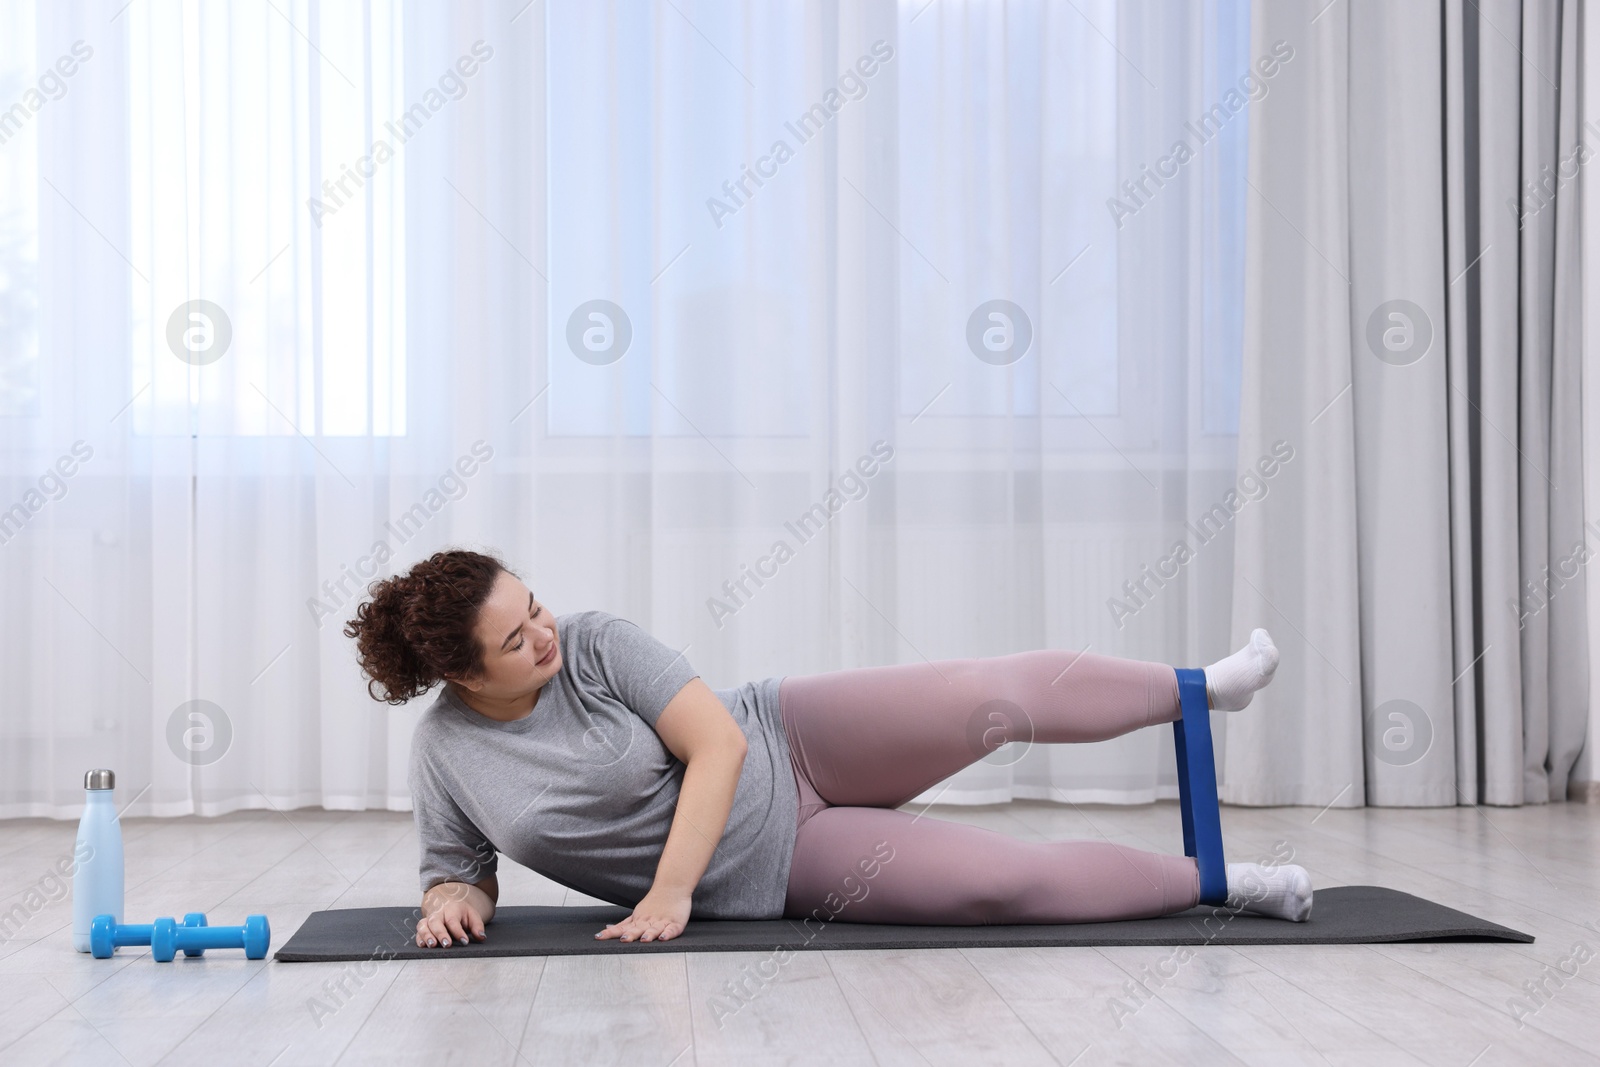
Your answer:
<point x="303" y="292"/>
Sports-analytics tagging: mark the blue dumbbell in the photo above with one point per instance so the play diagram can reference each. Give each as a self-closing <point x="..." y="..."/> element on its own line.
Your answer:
<point x="166" y="937"/>
<point x="106" y="934"/>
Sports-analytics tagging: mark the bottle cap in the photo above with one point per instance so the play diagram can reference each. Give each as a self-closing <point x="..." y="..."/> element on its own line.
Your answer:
<point x="99" y="778"/>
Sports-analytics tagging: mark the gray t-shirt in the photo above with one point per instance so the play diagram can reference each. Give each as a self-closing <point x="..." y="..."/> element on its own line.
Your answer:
<point x="582" y="789"/>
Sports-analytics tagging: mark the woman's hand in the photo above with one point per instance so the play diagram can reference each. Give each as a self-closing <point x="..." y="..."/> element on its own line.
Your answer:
<point x="660" y="916"/>
<point x="454" y="923"/>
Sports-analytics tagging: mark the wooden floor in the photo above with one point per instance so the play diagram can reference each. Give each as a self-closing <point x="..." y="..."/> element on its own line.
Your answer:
<point x="1534" y="868"/>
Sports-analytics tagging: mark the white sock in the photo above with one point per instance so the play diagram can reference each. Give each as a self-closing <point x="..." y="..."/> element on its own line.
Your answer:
<point x="1282" y="892"/>
<point x="1230" y="683"/>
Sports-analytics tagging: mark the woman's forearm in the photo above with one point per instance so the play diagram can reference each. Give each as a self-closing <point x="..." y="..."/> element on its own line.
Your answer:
<point x="704" y="801"/>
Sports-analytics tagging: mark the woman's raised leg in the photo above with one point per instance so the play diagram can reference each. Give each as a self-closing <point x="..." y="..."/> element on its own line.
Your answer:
<point x="878" y="736"/>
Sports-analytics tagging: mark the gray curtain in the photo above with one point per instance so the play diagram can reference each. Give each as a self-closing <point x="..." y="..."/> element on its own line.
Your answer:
<point x="1412" y="330"/>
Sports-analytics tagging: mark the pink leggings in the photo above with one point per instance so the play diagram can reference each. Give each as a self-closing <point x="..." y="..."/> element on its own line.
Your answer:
<point x="862" y="742"/>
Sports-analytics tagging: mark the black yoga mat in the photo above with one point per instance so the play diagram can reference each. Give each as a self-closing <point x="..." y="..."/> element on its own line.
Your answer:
<point x="1342" y="915"/>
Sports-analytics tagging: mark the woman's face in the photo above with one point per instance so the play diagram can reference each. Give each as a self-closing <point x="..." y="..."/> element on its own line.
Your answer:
<point x="521" y="650"/>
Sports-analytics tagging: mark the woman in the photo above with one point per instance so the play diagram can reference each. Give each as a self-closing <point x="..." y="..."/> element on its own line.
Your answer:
<point x="587" y="750"/>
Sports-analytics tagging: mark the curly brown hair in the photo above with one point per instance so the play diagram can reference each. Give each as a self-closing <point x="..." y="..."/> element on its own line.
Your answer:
<point x="418" y="627"/>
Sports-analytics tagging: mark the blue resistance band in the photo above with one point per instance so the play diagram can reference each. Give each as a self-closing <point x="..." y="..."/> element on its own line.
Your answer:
<point x="1197" y="787"/>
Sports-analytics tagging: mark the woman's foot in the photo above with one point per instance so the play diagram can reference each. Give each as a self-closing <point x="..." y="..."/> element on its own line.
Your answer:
<point x="1230" y="683"/>
<point x="1282" y="892"/>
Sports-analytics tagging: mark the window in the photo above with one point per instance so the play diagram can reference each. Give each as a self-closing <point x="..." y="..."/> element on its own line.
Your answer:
<point x="267" y="181"/>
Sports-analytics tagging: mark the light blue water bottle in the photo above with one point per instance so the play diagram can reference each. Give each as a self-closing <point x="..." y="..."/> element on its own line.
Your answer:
<point x="97" y="881"/>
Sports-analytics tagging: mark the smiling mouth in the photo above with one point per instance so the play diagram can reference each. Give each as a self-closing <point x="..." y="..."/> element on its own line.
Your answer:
<point x="548" y="656"/>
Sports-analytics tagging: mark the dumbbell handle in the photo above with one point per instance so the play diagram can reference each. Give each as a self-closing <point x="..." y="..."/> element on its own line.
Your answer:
<point x="208" y="937"/>
<point x="131" y="934"/>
